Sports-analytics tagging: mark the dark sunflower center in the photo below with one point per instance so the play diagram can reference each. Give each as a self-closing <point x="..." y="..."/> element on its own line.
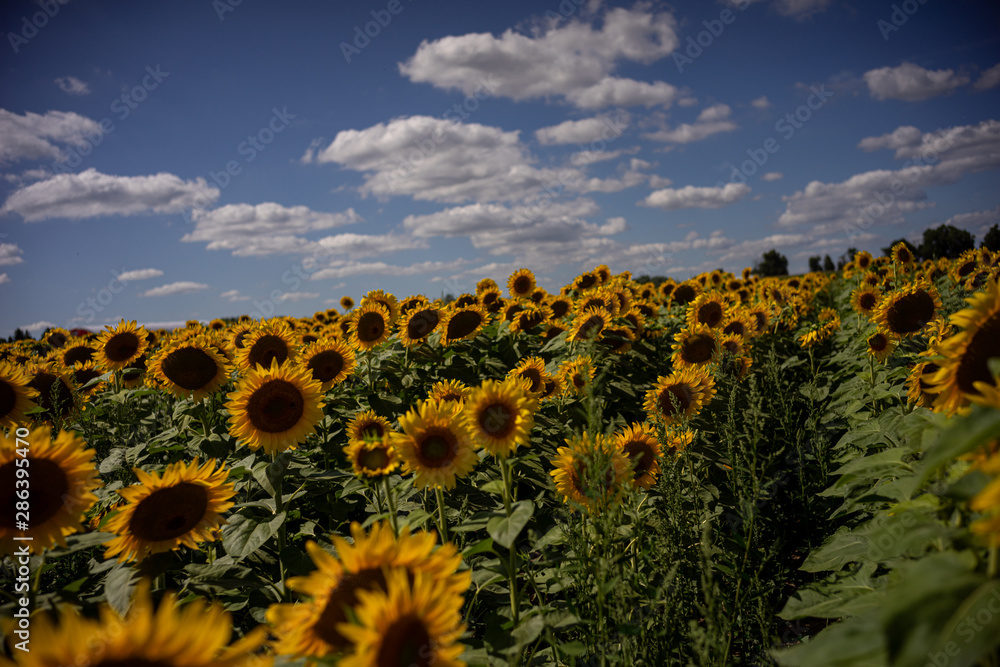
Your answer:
<point x="534" y="376"/>
<point x="641" y="456"/>
<point x="267" y="349"/>
<point x="497" y="420"/>
<point x="761" y="320"/>
<point x="406" y="643"/>
<point x="189" y="368"/>
<point x="8" y="398"/>
<point x="698" y="348"/>
<point x="373" y="459"/>
<point x="489" y="297"/>
<point x="436" y="450"/>
<point x="710" y="314"/>
<point x="684" y="294"/>
<point x="57" y="339"/>
<point x="679" y="395"/>
<point x="910" y="312"/>
<point x="984" y="345"/>
<point x="966" y="269"/>
<point x="930" y="368"/>
<point x="559" y="308"/>
<point x="238" y="340"/>
<point x="463" y="323"/>
<point x="422" y="323"/>
<point x="529" y="320"/>
<point x="370" y="327"/>
<point x="49" y="485"/>
<point x="372" y="430"/>
<point x="275" y="407"/>
<point x="591" y="327"/>
<point x="732" y="346"/>
<point x="878" y="342"/>
<point x="735" y="328"/>
<point x="863" y="263"/>
<point x="586" y="281"/>
<point x="465" y="300"/>
<point x="53" y="394"/>
<point x="326" y="366"/>
<point x="122" y="347"/>
<point x="342" y="598"/>
<point x="578" y="380"/>
<point x="85" y="375"/>
<point x="170" y="512"/>
<point x="867" y="301"/>
<point x="79" y="353"/>
<point x="903" y="255"/>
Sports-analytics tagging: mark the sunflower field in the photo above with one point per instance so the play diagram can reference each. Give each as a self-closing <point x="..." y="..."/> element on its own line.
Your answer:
<point x="728" y="470"/>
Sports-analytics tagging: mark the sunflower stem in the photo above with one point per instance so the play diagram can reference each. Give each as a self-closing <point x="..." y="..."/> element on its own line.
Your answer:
<point x="36" y="585"/>
<point x="278" y="509"/>
<point x="991" y="568"/>
<point x="390" y="498"/>
<point x="512" y="556"/>
<point x="443" y="523"/>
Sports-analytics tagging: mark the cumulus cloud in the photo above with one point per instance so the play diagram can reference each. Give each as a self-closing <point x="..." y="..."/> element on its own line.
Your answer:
<point x="761" y="102"/>
<point x="262" y="229"/>
<point x="977" y="222"/>
<point x="35" y="136"/>
<point x="234" y="295"/>
<point x="140" y="274"/>
<point x="772" y="176"/>
<point x="711" y="120"/>
<point x="988" y="79"/>
<point x="362" y="245"/>
<point x="72" y="85"/>
<point x="353" y="268"/>
<point x="39" y="327"/>
<point x="4" y="278"/>
<point x="298" y="296"/>
<point x="756" y="247"/>
<point x="181" y="287"/>
<point x="574" y="61"/>
<point x="10" y="253"/>
<point x="797" y="9"/>
<point x="583" y="131"/>
<point x="697" y="197"/>
<point x="91" y="193"/>
<point x="912" y="83"/>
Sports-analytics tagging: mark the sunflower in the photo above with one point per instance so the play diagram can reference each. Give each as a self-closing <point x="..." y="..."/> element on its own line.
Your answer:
<point x="183" y="506"/>
<point x="531" y="369"/>
<point x="120" y="346"/>
<point x="16" y="395"/>
<point x="909" y="309"/>
<point x="865" y="300"/>
<point x="329" y="361"/>
<point x="435" y="445"/>
<point x="275" y="409"/>
<point x="740" y="322"/>
<point x="346" y="302"/>
<point x="708" y="309"/>
<point x="552" y="330"/>
<point x="585" y="281"/>
<point x="918" y="387"/>
<point x="134" y="373"/>
<point x="270" y="340"/>
<point x="57" y="337"/>
<point x="881" y="344"/>
<point x="418" y="323"/>
<point x="686" y="292"/>
<point x="492" y="300"/>
<point x="54" y="389"/>
<point x="695" y="345"/>
<point x="462" y="324"/>
<point x="411" y="302"/>
<point x="313" y="627"/>
<point x="237" y="335"/>
<point x="680" y="395"/>
<point x="530" y="317"/>
<point x="194" y="635"/>
<point x="72" y="353"/>
<point x="370" y="324"/>
<point x="599" y="299"/>
<point x="82" y="374"/>
<point x="965" y="374"/>
<point x="62" y="480"/>
<point x="590" y="471"/>
<point x="551" y="388"/>
<point x="450" y="390"/>
<point x="678" y="441"/>
<point x="964" y="266"/>
<point x="465" y="300"/>
<point x="189" y="368"/>
<point x="371" y="457"/>
<point x="589" y="324"/>
<point x="642" y="448"/>
<point x="486" y="285"/>
<point x="410" y="623"/>
<point x="863" y="260"/>
<point x="761" y="316"/>
<point x="499" y="416"/>
<point x="367" y="426"/>
<point x="577" y="374"/>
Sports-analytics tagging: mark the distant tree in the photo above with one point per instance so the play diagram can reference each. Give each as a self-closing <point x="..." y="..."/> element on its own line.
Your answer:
<point x="945" y="241"/>
<point x="828" y="264"/>
<point x="447" y="298"/>
<point x="772" y="263"/>
<point x="19" y="334"/>
<point x="912" y="248"/>
<point x="992" y="239"/>
<point x="846" y="257"/>
<point x="646" y="278"/>
<point x="814" y="264"/>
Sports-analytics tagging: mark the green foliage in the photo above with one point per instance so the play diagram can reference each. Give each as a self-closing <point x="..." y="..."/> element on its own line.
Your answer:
<point x="945" y="241"/>
<point x="773" y="263"/>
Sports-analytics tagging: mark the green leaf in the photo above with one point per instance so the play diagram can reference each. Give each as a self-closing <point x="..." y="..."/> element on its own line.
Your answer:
<point x="479" y="547"/>
<point x="964" y="435"/>
<point x="505" y="530"/>
<point x="973" y="632"/>
<point x="119" y="586"/>
<point x="243" y="535"/>
<point x="857" y="642"/>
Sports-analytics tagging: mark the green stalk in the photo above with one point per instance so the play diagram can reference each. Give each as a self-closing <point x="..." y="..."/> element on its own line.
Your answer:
<point x="278" y="509"/>
<point x="442" y="521"/>
<point x="512" y="556"/>
<point x="390" y="498"/>
<point x="991" y="568"/>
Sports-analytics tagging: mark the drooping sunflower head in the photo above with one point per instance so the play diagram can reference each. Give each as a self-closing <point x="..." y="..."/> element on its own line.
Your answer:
<point x="275" y="409"/>
<point x="189" y="368"/>
<point x="909" y="309"/>
<point x="62" y="479"/>
<point x="418" y="323"/>
<point x="16" y="395"/>
<point x="270" y="341"/>
<point x="591" y="472"/>
<point x="708" y="309"/>
<point x="679" y="396"/>
<point x="120" y="346"/>
<point x="695" y="345"/>
<point x="370" y="325"/>
<point x="435" y="445"/>
<point x="641" y="446"/>
<point x="589" y="324"/>
<point x="462" y="324"/>
<point x="181" y="507"/>
<point x="330" y="361"/>
<point x="499" y="416"/>
<point x="532" y="370"/>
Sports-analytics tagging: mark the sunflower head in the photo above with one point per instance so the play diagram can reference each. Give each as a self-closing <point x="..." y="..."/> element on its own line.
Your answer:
<point x="190" y="368"/>
<point x="591" y="472"/>
<point x="881" y="344"/>
<point x="53" y="388"/>
<point x="589" y="324"/>
<point x="499" y="416"/>
<point x="462" y="324"/>
<point x="16" y="395"/>
<point x="708" y="309"/>
<point x="449" y="390"/>
<point x="435" y="445"/>
<point x="370" y="324"/>
<point x="346" y="302"/>
<point x="679" y="396"/>
<point x="865" y="300"/>
<point x="270" y="341"/>
<point x="531" y="370"/>
<point x="641" y="446"/>
<point x="418" y="323"/>
<point x="695" y="345"/>
<point x="909" y="309"/>
<point x="329" y="361"/>
<point x="120" y="346"/>
<point x="388" y="302"/>
<point x="372" y="457"/>
<point x="577" y="374"/>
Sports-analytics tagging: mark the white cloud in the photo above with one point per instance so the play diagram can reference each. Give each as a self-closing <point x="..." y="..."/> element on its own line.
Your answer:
<point x="797" y="9"/>
<point x="39" y="327"/>
<point x="988" y="79"/>
<point x="697" y="197"/>
<point x="297" y="296"/>
<point x="182" y="287"/>
<point x="761" y="102"/>
<point x="772" y="176"/>
<point x="90" y="193"/>
<point x="262" y="229"/>
<point x="234" y="295"/>
<point x="573" y="60"/>
<point x="4" y="278"/>
<point x="352" y="268"/>
<point x="362" y="245"/>
<point x="757" y="247"/>
<point x="912" y="83"/>
<point x="72" y="85"/>
<point x="34" y="136"/>
<point x="711" y="120"/>
<point x="977" y="222"/>
<point x="10" y="254"/>
<point x="140" y="274"/>
<point x="582" y="131"/>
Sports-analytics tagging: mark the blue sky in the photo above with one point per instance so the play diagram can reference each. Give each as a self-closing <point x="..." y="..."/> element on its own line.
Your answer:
<point x="193" y="159"/>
